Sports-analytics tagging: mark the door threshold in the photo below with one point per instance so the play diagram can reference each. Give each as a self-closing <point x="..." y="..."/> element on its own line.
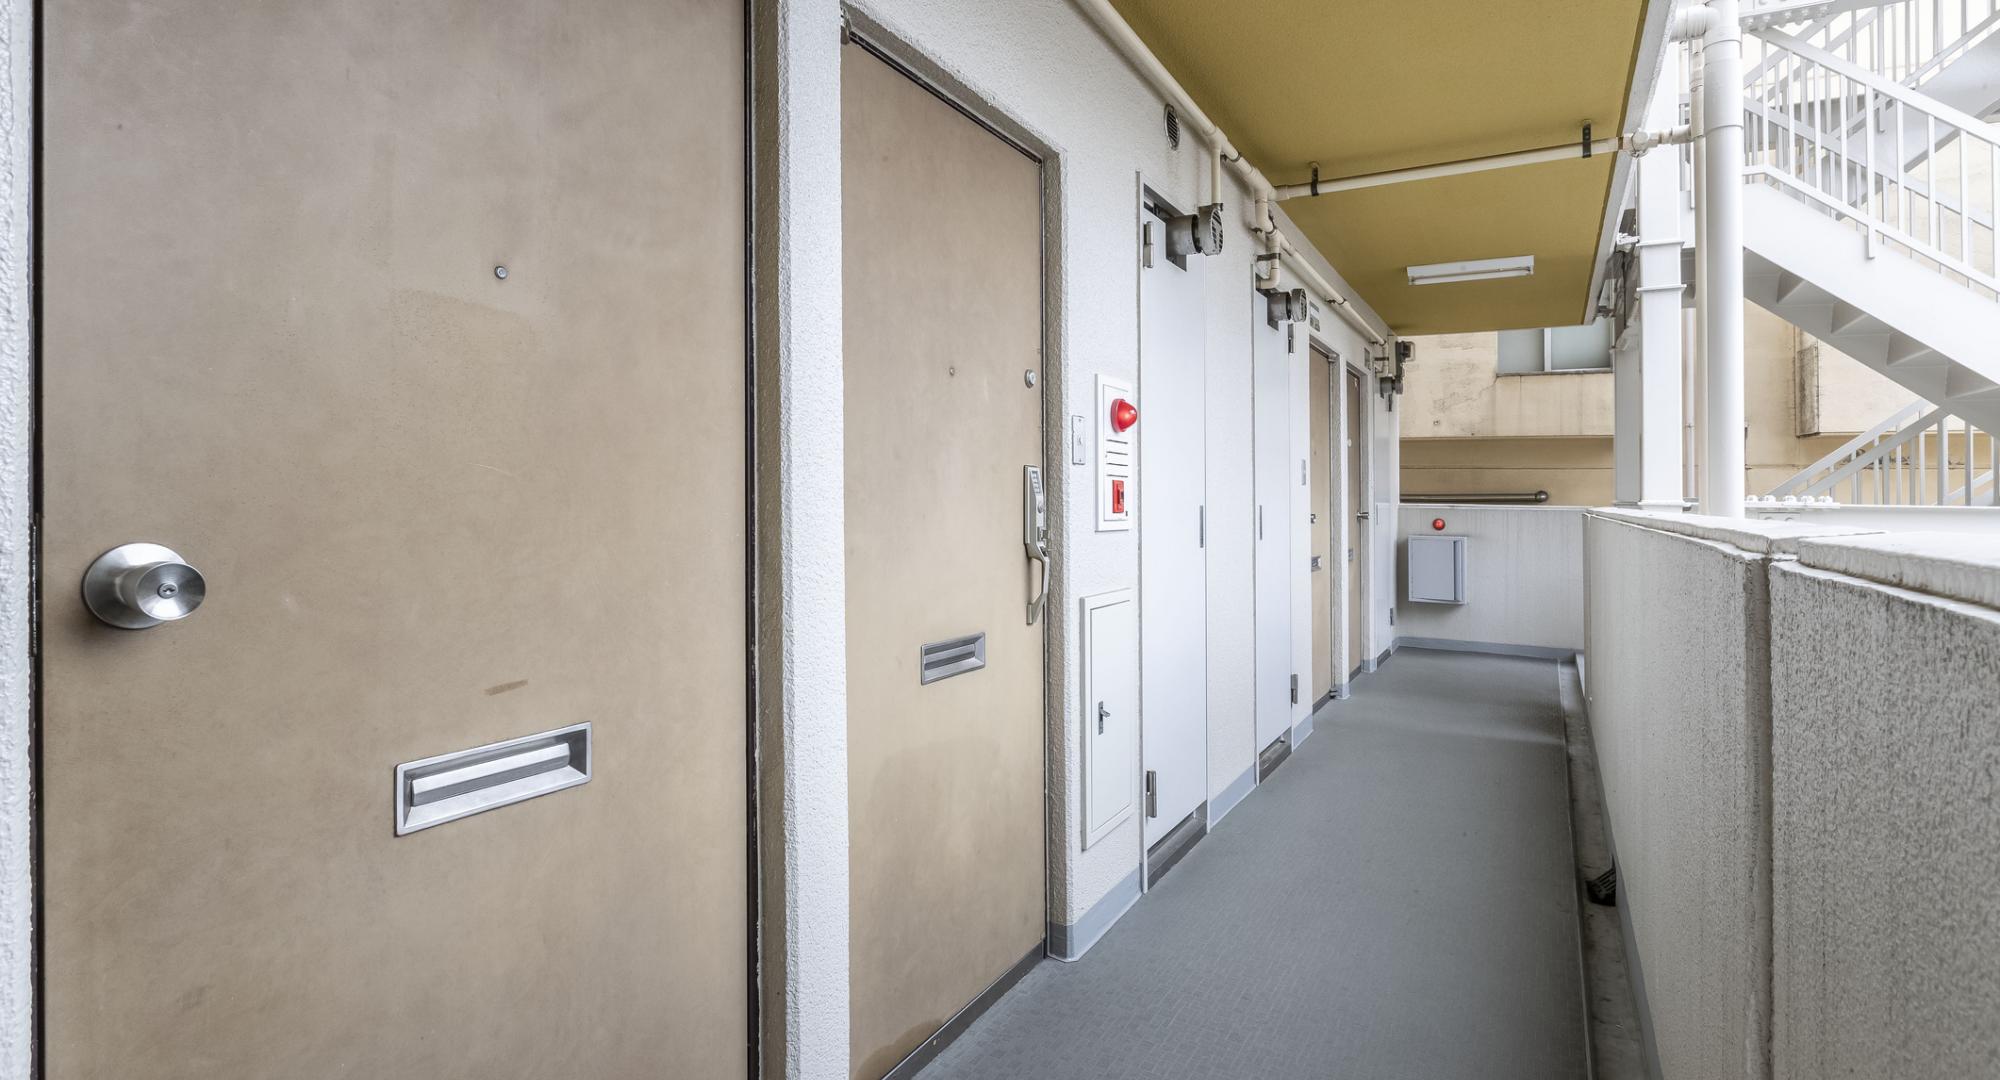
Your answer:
<point x="1174" y="846"/>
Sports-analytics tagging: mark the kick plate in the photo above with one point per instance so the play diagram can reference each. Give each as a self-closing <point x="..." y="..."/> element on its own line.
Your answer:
<point x="451" y="786"/>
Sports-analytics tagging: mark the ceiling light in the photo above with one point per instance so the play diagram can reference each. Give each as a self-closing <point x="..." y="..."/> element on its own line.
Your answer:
<point x="1473" y="270"/>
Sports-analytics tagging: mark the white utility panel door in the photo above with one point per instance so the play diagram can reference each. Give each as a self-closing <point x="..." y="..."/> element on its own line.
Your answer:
<point x="1173" y="606"/>
<point x="1271" y="407"/>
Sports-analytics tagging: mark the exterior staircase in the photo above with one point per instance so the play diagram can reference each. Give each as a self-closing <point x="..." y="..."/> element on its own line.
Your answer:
<point x="1872" y="183"/>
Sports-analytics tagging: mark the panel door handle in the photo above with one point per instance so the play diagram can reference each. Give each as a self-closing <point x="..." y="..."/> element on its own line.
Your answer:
<point x="136" y="586"/>
<point x="1039" y="553"/>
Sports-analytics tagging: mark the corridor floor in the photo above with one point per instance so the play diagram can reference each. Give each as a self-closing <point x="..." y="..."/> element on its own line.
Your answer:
<point x="1397" y="900"/>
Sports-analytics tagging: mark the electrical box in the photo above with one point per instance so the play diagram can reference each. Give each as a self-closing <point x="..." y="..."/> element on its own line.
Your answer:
<point x="1434" y="569"/>
<point x="1117" y="454"/>
<point x="1110" y="711"/>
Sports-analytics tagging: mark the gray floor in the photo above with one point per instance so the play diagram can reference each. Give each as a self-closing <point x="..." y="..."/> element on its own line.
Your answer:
<point x="1397" y="900"/>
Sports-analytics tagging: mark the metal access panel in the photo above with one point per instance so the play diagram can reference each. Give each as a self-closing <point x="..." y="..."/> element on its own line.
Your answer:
<point x="1435" y="569"/>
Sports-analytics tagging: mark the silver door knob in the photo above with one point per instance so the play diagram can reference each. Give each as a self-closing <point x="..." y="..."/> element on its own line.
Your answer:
<point x="134" y="586"/>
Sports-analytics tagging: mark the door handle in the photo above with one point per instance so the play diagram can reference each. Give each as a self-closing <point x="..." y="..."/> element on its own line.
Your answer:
<point x="1035" y="537"/>
<point x="1039" y="553"/>
<point x="136" y="586"/>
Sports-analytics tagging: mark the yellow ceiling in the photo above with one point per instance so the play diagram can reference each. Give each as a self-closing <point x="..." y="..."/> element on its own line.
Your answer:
<point x="1361" y="86"/>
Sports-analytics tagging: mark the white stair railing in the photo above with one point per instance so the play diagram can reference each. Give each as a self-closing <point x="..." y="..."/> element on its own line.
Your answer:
<point x="1919" y="456"/>
<point x="1866" y="149"/>
<point x="1907" y="41"/>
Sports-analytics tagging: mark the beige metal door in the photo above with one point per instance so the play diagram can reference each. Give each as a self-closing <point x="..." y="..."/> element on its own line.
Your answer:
<point x="941" y="250"/>
<point x="436" y="508"/>
<point x="1357" y="526"/>
<point x="1325" y="570"/>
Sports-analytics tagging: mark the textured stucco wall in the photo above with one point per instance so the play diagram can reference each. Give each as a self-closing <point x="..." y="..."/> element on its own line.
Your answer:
<point x="1797" y="729"/>
<point x="1885" y="819"/>
<point x="802" y="617"/>
<point x="1041" y="71"/>
<point x="1679" y="707"/>
<point x="16" y="509"/>
<point x="1524" y="576"/>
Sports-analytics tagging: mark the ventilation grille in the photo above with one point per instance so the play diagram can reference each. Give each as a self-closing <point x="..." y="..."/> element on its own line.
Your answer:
<point x="956" y="656"/>
<point x="1173" y="128"/>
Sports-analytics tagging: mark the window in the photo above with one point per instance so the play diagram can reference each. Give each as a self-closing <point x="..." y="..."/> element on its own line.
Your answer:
<point x="1557" y="348"/>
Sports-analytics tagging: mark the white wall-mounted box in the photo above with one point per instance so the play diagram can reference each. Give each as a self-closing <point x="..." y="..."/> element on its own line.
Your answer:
<point x="1110" y="711"/>
<point x="1434" y="569"/>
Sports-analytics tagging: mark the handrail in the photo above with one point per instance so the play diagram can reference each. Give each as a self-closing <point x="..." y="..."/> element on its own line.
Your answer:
<point x="1850" y="447"/>
<point x="1855" y="141"/>
<point x="1896" y="441"/>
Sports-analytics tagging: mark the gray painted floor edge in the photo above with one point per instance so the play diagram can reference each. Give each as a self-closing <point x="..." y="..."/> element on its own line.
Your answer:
<point x="1398" y="900"/>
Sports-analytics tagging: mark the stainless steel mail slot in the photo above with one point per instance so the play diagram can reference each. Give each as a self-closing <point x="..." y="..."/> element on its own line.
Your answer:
<point x="451" y="786"/>
<point x="943" y="659"/>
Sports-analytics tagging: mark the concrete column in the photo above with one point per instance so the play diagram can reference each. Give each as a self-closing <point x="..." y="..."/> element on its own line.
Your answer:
<point x="800" y="520"/>
<point x="1722" y="259"/>
<point x="17" y="411"/>
<point x="1657" y="384"/>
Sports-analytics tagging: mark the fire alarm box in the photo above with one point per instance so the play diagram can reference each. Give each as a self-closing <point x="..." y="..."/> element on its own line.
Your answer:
<point x="1117" y="427"/>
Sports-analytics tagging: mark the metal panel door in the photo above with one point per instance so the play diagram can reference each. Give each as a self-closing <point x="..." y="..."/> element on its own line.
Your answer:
<point x="1173" y="604"/>
<point x="435" y="507"/>
<point x="1271" y="411"/>
<point x="1326" y="569"/>
<point x="941" y="226"/>
<point x="1357" y="525"/>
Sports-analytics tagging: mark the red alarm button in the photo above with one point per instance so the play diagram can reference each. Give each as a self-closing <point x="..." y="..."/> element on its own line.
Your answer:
<point x="1117" y="496"/>
<point x="1123" y="414"/>
<point x="1437" y="524"/>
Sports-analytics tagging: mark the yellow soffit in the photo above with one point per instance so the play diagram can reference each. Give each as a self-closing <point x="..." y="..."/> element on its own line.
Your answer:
<point x="1364" y="86"/>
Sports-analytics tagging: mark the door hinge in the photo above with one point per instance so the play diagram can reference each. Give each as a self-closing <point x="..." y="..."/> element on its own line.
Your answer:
<point x="1260" y="521"/>
<point x="1295" y="689"/>
<point x="1152" y="794"/>
<point x="1201" y="527"/>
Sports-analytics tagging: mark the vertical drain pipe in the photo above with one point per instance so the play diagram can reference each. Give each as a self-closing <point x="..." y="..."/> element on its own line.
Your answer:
<point x="1722" y="258"/>
<point x="1697" y="361"/>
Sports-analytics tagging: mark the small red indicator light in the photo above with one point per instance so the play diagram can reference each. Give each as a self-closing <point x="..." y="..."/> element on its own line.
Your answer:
<point x="1117" y="496"/>
<point x="1123" y="415"/>
<point x="1437" y="524"/>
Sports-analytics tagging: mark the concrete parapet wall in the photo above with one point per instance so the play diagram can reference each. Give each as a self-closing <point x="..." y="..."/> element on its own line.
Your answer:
<point x="1798" y="730"/>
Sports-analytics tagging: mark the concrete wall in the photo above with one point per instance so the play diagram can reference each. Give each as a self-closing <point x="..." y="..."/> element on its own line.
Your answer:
<point x="1795" y="728"/>
<point x="17" y="399"/>
<point x="1524" y="577"/>
<point x="1885" y="818"/>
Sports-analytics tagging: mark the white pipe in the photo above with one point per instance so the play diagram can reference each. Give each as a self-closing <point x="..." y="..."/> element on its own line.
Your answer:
<point x="1451" y="168"/>
<point x="1722" y="259"/>
<point x="1690" y="23"/>
<point x="1114" y="28"/>
<point x="1698" y="399"/>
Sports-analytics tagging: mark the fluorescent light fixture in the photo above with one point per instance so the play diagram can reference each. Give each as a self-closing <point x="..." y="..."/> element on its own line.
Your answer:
<point x="1473" y="270"/>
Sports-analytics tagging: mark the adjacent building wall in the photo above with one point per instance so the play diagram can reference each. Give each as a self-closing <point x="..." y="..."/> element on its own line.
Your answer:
<point x="1470" y="430"/>
<point x="1524" y="578"/>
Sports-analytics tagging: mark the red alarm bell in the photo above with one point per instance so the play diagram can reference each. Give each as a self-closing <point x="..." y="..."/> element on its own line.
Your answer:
<point x="1123" y="415"/>
<point x="1437" y="524"/>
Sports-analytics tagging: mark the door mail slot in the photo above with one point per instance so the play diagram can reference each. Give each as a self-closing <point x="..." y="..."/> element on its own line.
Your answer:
<point x="451" y="786"/>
